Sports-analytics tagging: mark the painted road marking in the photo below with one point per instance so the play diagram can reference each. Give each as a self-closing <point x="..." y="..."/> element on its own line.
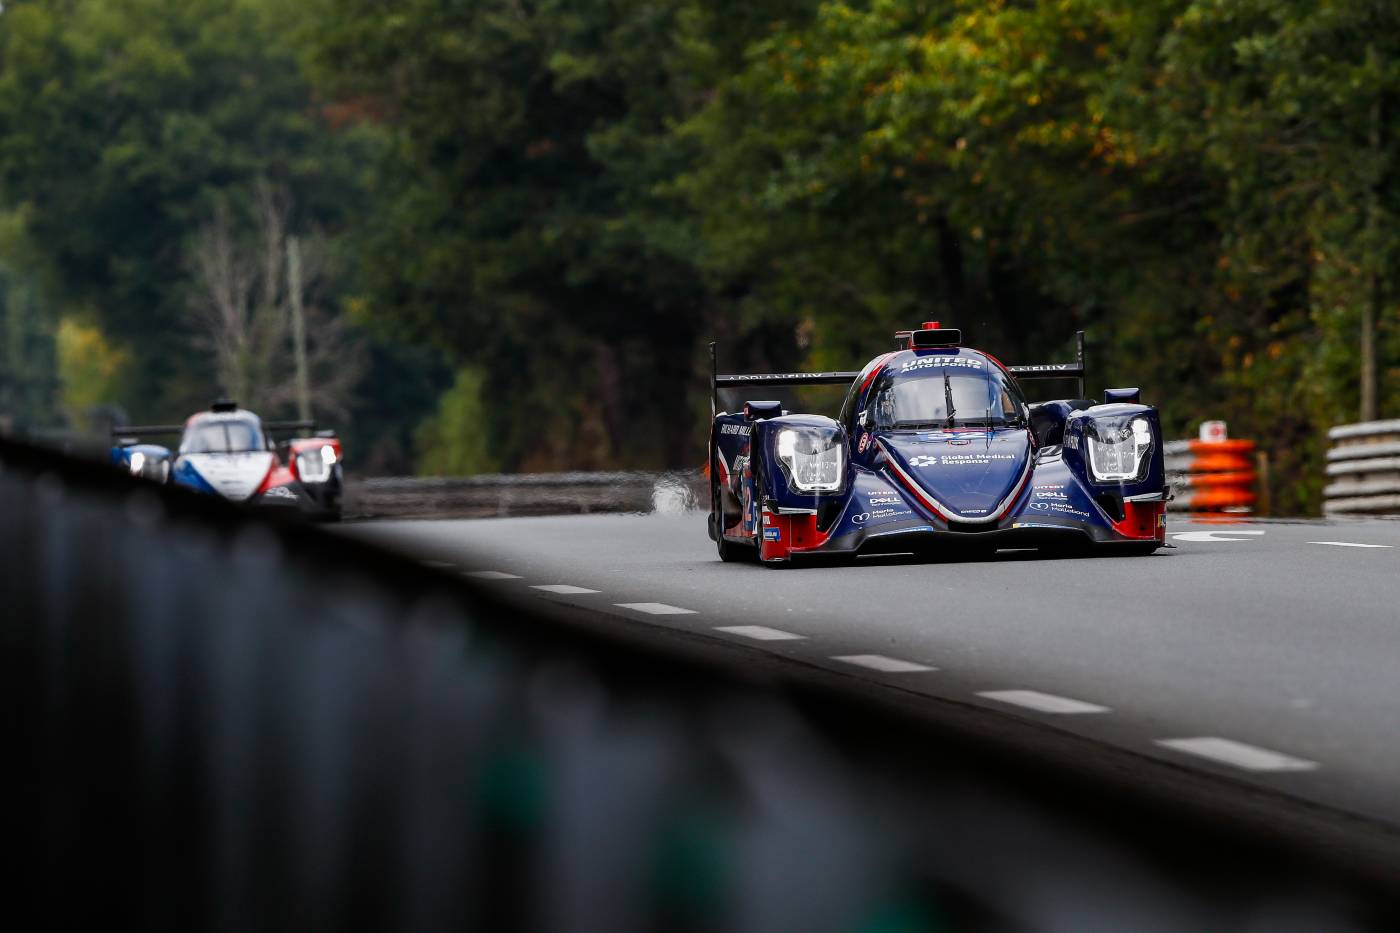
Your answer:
<point x="1213" y="535"/>
<point x="1230" y="752"/>
<point x="1349" y="544"/>
<point x="491" y="575"/>
<point x="878" y="662"/>
<point x="759" y="632"/>
<point x="563" y="589"/>
<point x="657" y="609"/>
<point x="1043" y="702"/>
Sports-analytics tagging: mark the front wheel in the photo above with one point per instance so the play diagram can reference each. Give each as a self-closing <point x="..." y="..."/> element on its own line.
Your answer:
<point x="728" y="550"/>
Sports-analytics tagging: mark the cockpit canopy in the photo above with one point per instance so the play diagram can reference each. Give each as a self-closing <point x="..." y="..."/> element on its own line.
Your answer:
<point x="920" y="391"/>
<point x="223" y="435"/>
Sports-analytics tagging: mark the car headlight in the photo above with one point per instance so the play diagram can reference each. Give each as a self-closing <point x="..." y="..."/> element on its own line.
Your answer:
<point x="1120" y="449"/>
<point x="814" y="460"/>
<point x="314" y="466"/>
<point x="137" y="464"/>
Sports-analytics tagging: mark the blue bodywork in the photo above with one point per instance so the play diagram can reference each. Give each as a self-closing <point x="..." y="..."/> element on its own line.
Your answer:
<point x="1011" y="475"/>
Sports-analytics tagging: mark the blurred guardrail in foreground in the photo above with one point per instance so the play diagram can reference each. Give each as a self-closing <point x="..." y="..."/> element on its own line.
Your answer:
<point x="509" y="494"/>
<point x="216" y="721"/>
<point x="1363" y="469"/>
<point x="1215" y="475"/>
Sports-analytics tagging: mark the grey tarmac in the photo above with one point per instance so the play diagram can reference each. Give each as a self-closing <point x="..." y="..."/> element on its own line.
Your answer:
<point x="1267" y="652"/>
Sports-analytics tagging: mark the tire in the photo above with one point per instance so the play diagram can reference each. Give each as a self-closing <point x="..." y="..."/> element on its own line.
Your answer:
<point x="729" y="552"/>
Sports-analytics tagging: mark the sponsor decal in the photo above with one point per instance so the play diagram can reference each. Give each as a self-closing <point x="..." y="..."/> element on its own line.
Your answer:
<point x="967" y="436"/>
<point x="1044" y="494"/>
<point x="958" y="459"/>
<point x="864" y="442"/>
<point x="959" y="441"/>
<point x="1072" y="442"/>
<point x="1050" y="486"/>
<point x="767" y="519"/>
<point x="1035" y="525"/>
<point x="940" y="362"/>
<point x="885" y="499"/>
<point x="736" y="429"/>
<point x="974" y="511"/>
<point x="1161" y="521"/>
<point x="772" y="534"/>
<point x="1058" y="508"/>
<point x="877" y="515"/>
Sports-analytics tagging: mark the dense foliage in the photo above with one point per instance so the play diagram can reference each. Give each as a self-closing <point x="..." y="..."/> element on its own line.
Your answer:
<point x="563" y="200"/>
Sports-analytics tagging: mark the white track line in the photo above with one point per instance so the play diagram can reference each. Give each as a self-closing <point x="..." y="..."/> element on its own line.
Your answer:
<point x="563" y="589"/>
<point x="1043" y="702"/>
<point x="657" y="609"/>
<point x="1227" y="535"/>
<point x="878" y="662"/>
<point x="1349" y="544"/>
<point x="491" y="575"/>
<point x="759" y="632"/>
<point x="1230" y="752"/>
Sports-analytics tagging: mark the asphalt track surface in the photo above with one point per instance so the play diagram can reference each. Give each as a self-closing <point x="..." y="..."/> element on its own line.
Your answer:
<point x="1266" y="654"/>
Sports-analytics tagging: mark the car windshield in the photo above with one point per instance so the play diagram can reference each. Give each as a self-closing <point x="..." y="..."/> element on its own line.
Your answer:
<point x="222" y="437"/>
<point x="940" y="397"/>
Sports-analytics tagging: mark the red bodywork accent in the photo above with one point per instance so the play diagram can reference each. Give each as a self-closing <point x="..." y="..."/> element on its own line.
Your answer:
<point x="302" y="445"/>
<point x="875" y="370"/>
<point x="932" y="325"/>
<point x="278" y="475"/>
<point x="798" y="533"/>
<point x="1142" y="521"/>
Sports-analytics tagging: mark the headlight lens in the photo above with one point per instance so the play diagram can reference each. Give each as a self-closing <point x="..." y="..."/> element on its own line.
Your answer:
<point x="137" y="463"/>
<point x="815" y="460"/>
<point x="314" y="466"/>
<point x="1120" y="449"/>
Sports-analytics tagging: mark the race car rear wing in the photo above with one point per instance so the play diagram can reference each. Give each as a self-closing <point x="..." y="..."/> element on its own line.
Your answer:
<point x="1073" y="370"/>
<point x="147" y="430"/>
<point x="737" y="380"/>
<point x="719" y="381"/>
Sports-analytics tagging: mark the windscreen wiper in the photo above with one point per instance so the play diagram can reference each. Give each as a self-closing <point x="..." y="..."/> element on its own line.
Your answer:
<point x="948" y="398"/>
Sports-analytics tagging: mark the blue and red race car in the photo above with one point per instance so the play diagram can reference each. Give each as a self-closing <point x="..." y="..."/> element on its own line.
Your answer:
<point x="935" y="450"/>
<point x="230" y="452"/>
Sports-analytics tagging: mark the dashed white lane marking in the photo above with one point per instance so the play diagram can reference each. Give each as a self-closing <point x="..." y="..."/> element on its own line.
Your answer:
<point x="491" y="575"/>
<point x="1214" y="535"/>
<point x="1043" y="702"/>
<point x="878" y="662"/>
<point x="1349" y="544"/>
<point x="759" y="632"/>
<point x="563" y="589"/>
<point x="657" y="609"/>
<point x="1230" y="752"/>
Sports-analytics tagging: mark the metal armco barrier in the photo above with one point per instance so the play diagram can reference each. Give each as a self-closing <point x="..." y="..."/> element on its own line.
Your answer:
<point x="1212" y="477"/>
<point x="219" y="721"/>
<point x="1363" y="469"/>
<point x="511" y="494"/>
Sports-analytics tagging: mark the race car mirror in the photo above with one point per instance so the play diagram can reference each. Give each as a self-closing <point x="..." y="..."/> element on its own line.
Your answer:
<point x="1122" y="396"/>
